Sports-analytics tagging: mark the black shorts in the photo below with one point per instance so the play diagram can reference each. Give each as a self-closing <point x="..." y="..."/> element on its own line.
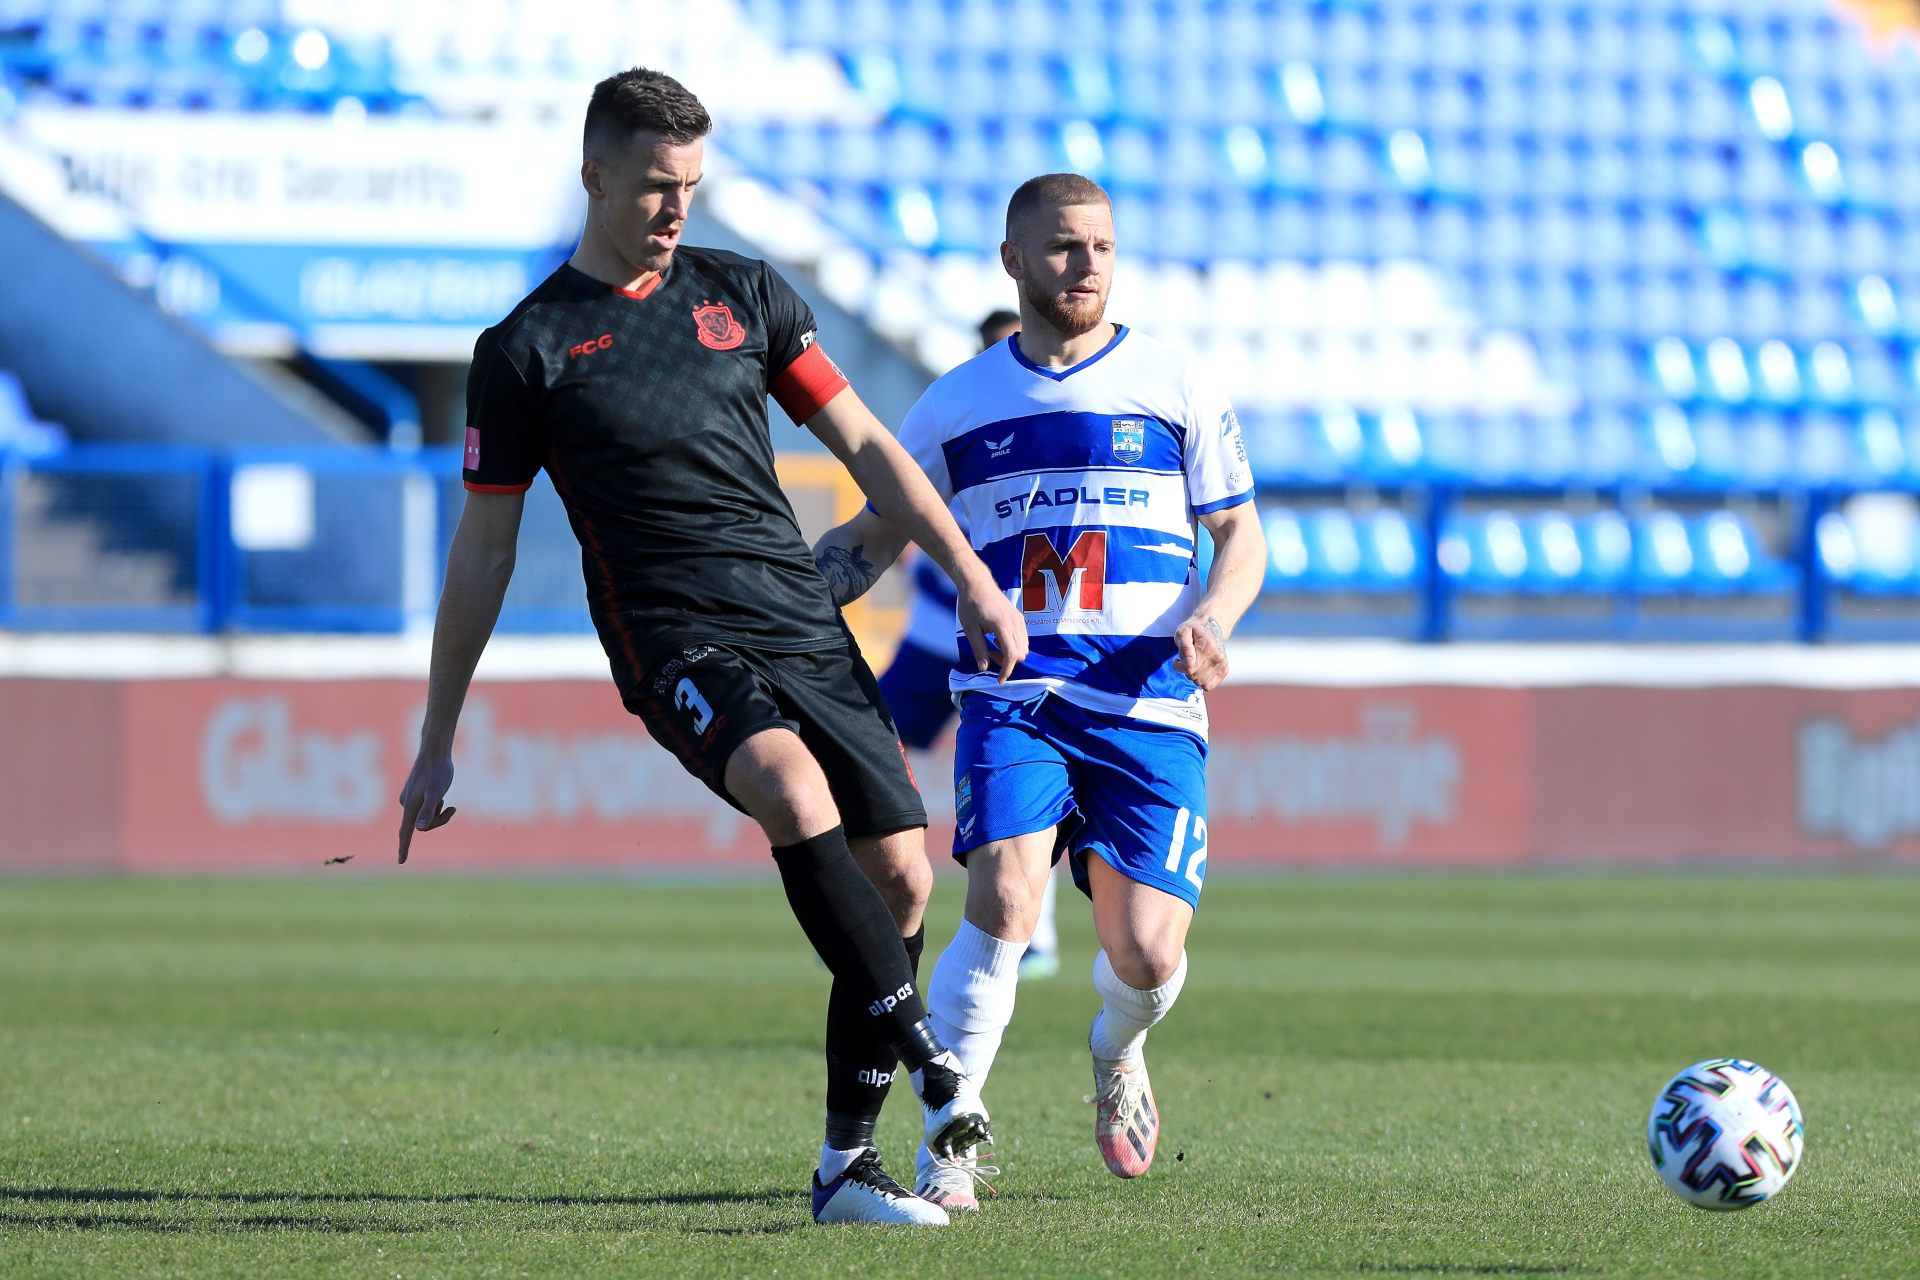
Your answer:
<point x="702" y="699"/>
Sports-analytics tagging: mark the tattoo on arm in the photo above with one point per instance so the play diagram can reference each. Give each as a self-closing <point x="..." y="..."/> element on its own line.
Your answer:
<point x="848" y="572"/>
<point x="1219" y="635"/>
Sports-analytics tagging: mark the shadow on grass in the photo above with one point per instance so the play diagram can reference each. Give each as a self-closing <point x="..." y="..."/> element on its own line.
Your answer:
<point x="162" y="1226"/>
<point x="327" y="1209"/>
<point x="1466" y="1269"/>
<point x="116" y="1195"/>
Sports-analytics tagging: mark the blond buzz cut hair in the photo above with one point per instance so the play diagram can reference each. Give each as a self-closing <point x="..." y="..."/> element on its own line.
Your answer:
<point x="1055" y="191"/>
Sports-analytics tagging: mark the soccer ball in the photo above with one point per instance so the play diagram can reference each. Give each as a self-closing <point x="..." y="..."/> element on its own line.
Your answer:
<point x="1725" y="1134"/>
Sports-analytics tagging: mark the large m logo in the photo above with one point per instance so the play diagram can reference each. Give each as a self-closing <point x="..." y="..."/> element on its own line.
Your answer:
<point x="1051" y="582"/>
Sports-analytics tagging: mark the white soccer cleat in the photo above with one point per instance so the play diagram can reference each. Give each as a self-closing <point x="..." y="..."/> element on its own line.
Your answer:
<point x="1126" y="1124"/>
<point x="949" y="1183"/>
<point x="956" y="1119"/>
<point x="865" y="1193"/>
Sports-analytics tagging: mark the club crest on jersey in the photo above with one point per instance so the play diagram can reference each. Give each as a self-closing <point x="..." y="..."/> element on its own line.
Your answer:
<point x="716" y="327"/>
<point x="1129" y="439"/>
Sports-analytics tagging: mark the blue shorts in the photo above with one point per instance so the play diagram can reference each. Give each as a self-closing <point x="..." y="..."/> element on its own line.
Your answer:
<point x="915" y="687"/>
<point x="1132" y="793"/>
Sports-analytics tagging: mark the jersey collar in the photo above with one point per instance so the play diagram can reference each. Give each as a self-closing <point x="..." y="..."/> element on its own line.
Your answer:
<point x="1013" y="345"/>
<point x="640" y="294"/>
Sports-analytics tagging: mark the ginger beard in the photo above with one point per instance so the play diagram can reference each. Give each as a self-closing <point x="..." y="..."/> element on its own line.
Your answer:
<point x="1069" y="314"/>
<point x="1062" y="257"/>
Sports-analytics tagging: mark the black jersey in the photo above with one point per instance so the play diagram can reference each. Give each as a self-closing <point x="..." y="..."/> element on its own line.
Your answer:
<point x="648" y="408"/>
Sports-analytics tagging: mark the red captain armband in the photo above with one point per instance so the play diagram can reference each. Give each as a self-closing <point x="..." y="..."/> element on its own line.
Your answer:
<point x="804" y="387"/>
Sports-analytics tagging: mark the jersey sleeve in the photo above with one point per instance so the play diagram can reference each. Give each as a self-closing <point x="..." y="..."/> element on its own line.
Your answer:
<point x="921" y="436"/>
<point x="800" y="376"/>
<point x="1218" y="474"/>
<point x="505" y="440"/>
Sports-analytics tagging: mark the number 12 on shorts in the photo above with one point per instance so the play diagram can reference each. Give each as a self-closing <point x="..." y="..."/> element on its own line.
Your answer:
<point x="1197" y="860"/>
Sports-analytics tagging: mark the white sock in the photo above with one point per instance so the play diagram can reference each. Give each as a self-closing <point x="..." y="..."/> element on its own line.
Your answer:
<point x="970" y="996"/>
<point x="834" y="1162"/>
<point x="1046" y="935"/>
<point x="1122" y="1026"/>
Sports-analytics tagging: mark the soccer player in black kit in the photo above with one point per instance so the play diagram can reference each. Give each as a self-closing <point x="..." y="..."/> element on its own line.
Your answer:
<point x="637" y="375"/>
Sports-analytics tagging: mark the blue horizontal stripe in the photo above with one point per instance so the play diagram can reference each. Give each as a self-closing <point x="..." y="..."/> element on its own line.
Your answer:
<point x="1128" y="560"/>
<point x="1224" y="503"/>
<point x="1129" y="666"/>
<point x="1056" y="442"/>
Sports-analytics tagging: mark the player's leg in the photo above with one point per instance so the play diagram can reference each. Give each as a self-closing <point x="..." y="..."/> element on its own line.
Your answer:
<point x="843" y="721"/>
<point x="1011" y="794"/>
<point x="970" y="996"/>
<point x="860" y="1063"/>
<point x="778" y="782"/>
<point x="1142" y="858"/>
<point x="1138" y="973"/>
<point x="717" y="712"/>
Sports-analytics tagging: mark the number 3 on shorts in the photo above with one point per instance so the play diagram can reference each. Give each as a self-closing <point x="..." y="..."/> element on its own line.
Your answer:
<point x="1197" y="861"/>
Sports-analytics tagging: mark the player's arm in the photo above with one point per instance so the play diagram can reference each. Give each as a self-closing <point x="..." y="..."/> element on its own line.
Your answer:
<point x="479" y="566"/>
<point x="900" y="492"/>
<point x="852" y="556"/>
<point x="1239" y="568"/>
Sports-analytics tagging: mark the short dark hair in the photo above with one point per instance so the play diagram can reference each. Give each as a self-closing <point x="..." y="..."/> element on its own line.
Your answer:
<point x="995" y="321"/>
<point x="642" y="101"/>
<point x="1057" y="189"/>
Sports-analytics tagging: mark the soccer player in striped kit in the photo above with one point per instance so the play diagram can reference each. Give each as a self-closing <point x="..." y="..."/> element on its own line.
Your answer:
<point x="1079" y="456"/>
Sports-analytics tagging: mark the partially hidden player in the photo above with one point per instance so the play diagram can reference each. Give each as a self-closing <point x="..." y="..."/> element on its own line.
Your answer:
<point x="1079" y="457"/>
<point x="637" y="375"/>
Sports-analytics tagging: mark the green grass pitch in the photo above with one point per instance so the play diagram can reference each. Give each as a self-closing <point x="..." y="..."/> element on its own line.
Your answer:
<point x="1376" y="1077"/>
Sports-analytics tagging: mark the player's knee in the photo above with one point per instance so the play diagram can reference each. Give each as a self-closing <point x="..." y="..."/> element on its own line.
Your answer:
<point x="1003" y="905"/>
<point x="904" y="879"/>
<point x="1145" y="964"/>
<point x="782" y="789"/>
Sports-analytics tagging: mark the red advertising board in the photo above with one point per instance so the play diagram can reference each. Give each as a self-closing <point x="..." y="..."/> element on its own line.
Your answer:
<point x="285" y="774"/>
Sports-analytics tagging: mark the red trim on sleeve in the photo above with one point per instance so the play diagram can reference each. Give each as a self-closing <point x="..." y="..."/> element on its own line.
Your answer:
<point x="804" y="387"/>
<point x="498" y="488"/>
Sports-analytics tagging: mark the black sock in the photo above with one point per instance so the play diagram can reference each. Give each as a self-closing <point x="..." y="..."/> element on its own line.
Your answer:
<point x="860" y="1063"/>
<point x="848" y="923"/>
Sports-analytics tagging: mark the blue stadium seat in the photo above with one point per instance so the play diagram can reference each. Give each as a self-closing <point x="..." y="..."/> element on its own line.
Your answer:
<point x="1870" y="557"/>
<point x="1663" y="555"/>
<point x="1606" y="552"/>
<point x="1484" y="553"/>
<point x="1730" y="559"/>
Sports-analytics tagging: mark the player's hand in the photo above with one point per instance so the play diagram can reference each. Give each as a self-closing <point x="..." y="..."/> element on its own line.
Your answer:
<point x="1203" y="650"/>
<point x="985" y="611"/>
<point x="420" y="807"/>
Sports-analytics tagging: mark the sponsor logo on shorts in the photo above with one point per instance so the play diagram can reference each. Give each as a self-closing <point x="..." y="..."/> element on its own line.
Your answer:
<point x="672" y="668"/>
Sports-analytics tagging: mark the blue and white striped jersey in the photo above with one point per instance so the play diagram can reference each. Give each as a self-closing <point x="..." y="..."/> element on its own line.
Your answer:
<point x="1079" y="487"/>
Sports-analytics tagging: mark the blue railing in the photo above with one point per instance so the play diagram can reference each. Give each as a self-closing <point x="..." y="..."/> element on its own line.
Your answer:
<point x="181" y="539"/>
